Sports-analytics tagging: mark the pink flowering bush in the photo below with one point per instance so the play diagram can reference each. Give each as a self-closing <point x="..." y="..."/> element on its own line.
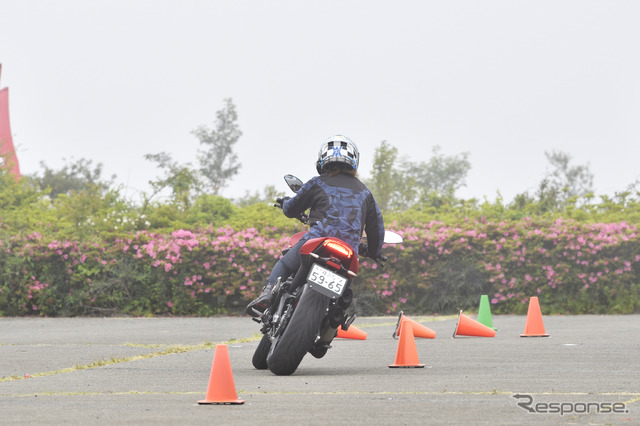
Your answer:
<point x="94" y="254"/>
<point x="182" y="273"/>
<point x="572" y="267"/>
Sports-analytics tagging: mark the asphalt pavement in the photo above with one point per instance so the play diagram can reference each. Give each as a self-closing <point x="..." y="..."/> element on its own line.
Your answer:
<point x="154" y="370"/>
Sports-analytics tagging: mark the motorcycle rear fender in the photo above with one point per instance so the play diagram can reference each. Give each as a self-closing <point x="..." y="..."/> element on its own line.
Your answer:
<point x="316" y="245"/>
<point x="295" y="238"/>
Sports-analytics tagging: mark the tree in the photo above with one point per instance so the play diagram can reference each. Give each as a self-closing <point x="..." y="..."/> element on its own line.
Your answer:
<point x="391" y="189"/>
<point x="74" y="176"/>
<point x="572" y="180"/>
<point x="15" y="195"/>
<point x="383" y="174"/>
<point x="440" y="174"/>
<point x="218" y="163"/>
<point x="398" y="184"/>
<point x="563" y="181"/>
<point x="269" y="194"/>
<point x="181" y="179"/>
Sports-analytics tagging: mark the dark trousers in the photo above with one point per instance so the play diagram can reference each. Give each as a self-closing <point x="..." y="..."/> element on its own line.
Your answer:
<point x="288" y="264"/>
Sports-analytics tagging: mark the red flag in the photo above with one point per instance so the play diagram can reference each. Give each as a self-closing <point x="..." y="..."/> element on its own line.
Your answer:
<point x="7" y="151"/>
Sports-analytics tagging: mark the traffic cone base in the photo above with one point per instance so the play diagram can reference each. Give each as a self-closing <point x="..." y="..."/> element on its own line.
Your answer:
<point x="484" y="312"/>
<point x="419" y="330"/>
<point x="470" y="327"/>
<point x="221" y="389"/>
<point x="234" y="402"/>
<point x="407" y="353"/>
<point x="534" y="326"/>
<point x="351" y="333"/>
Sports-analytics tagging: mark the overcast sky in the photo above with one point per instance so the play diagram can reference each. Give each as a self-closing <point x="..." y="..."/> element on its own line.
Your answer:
<point x="505" y="81"/>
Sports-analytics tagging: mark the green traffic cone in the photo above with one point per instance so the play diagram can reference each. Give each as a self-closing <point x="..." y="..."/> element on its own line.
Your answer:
<point x="484" y="312"/>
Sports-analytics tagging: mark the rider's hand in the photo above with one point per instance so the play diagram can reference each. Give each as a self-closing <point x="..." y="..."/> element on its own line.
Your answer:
<point x="280" y="201"/>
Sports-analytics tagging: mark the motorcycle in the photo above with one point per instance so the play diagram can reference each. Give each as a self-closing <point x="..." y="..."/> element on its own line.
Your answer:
<point x="307" y="307"/>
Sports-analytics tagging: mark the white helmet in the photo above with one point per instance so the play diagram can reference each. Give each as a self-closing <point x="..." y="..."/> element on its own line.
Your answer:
<point x="338" y="150"/>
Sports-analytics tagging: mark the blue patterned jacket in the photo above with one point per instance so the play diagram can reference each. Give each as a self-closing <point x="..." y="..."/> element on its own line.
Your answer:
<point x="342" y="207"/>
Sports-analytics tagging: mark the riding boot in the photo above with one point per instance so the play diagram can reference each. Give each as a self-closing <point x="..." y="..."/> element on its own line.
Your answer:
<point x="257" y="307"/>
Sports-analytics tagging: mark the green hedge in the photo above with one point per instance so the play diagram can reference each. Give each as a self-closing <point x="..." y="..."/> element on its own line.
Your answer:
<point x="182" y="273"/>
<point x="572" y="267"/>
<point x="93" y="253"/>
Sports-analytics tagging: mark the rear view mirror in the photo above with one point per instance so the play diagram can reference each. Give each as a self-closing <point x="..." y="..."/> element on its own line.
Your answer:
<point x="294" y="183"/>
<point x="391" y="237"/>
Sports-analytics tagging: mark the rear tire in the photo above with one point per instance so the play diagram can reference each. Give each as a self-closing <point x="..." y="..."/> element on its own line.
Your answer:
<point x="288" y="349"/>
<point x="260" y="355"/>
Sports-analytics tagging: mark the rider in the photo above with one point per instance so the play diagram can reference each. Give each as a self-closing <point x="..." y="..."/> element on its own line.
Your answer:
<point x="341" y="206"/>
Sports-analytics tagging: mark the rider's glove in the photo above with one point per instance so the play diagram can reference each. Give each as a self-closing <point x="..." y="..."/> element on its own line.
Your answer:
<point x="280" y="201"/>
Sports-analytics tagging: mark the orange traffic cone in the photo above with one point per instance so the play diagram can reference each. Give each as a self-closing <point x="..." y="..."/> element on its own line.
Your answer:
<point x="534" y="326"/>
<point x="351" y="333"/>
<point x="407" y="353"/>
<point x="419" y="330"/>
<point x="470" y="327"/>
<point x="221" y="389"/>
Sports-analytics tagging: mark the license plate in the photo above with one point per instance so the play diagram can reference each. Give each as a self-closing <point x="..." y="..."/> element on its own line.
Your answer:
<point x="327" y="279"/>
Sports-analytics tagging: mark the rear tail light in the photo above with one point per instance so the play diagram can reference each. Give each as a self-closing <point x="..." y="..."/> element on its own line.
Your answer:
<point x="340" y="248"/>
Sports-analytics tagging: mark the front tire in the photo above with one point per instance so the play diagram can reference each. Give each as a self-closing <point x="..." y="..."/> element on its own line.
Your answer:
<point x="288" y="349"/>
<point x="260" y="355"/>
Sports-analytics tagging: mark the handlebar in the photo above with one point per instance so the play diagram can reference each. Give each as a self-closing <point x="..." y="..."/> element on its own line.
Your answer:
<point x="363" y="250"/>
<point x="304" y="218"/>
